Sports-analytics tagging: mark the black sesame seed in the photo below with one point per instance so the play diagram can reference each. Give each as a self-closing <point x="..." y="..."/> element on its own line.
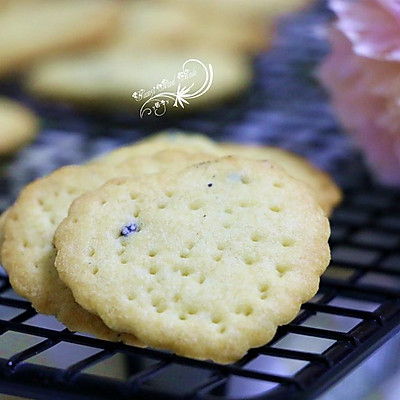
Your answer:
<point x="129" y="229"/>
<point x="210" y="184"/>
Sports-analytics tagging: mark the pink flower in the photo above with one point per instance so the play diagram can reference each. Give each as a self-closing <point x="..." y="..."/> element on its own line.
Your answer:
<point x="365" y="94"/>
<point x="373" y="26"/>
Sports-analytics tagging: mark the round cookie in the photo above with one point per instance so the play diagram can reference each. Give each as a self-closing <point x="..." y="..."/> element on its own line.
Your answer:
<point x="18" y="126"/>
<point x="28" y="253"/>
<point x="325" y="191"/>
<point x="206" y="262"/>
<point x="32" y="29"/>
<point x="91" y="80"/>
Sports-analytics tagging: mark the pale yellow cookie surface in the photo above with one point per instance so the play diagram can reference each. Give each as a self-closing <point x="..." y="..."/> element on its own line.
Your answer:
<point x="206" y="262"/>
<point x="169" y="140"/>
<point x="325" y="191"/>
<point x="18" y="125"/>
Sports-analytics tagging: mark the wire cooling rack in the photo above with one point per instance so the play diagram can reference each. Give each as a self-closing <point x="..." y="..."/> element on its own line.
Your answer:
<point x="356" y="310"/>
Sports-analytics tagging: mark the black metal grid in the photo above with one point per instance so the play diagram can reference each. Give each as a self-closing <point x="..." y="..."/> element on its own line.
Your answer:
<point x="356" y="309"/>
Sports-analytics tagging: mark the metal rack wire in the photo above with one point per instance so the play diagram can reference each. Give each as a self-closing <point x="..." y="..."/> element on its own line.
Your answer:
<point x="356" y="310"/>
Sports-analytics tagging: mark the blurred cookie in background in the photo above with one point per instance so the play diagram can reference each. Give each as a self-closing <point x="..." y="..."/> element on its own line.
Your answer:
<point x="254" y="10"/>
<point x="30" y="30"/>
<point x="18" y="126"/>
<point x="97" y="53"/>
<point x="108" y="78"/>
<point x="150" y="44"/>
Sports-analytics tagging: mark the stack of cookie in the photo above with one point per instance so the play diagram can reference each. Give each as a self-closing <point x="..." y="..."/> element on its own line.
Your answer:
<point x="175" y="242"/>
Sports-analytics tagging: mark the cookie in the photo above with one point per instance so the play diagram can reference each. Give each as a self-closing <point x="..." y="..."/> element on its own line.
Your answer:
<point x="325" y="191"/>
<point x="108" y="78"/>
<point x="30" y="30"/>
<point x="206" y="262"/>
<point x="177" y="141"/>
<point x="28" y="253"/>
<point x="159" y="25"/>
<point x="18" y="125"/>
<point x="3" y="217"/>
<point x="324" y="188"/>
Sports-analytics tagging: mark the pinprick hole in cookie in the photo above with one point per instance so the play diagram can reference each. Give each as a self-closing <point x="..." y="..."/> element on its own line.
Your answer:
<point x="133" y="196"/>
<point x="190" y="246"/>
<point x="136" y="213"/>
<point x="218" y="257"/>
<point x="278" y="185"/>
<point x="92" y="252"/>
<point x="221" y="247"/>
<point x="244" y="204"/>
<point x="263" y="289"/>
<point x="196" y="205"/>
<point x="25" y="244"/>
<point x="287" y="242"/>
<point x="202" y="279"/>
<point x="275" y="209"/>
<point x="227" y="225"/>
<point x="95" y="271"/>
<point x="41" y="201"/>
<point x="150" y="289"/>
<point x="124" y="261"/>
<point x="216" y="319"/>
<point x="228" y="211"/>
<point x="192" y="311"/>
<point x="185" y="272"/>
<point x="153" y="270"/>
<point x="168" y="193"/>
<point x="281" y="269"/>
<point x="182" y="317"/>
<point x="152" y="253"/>
<point x="255" y="237"/>
<point x="162" y="206"/>
<point x="249" y="260"/>
<point x="161" y="308"/>
<point x="75" y="220"/>
<point x="245" y="179"/>
<point x="103" y="202"/>
<point x="222" y="329"/>
<point x="131" y="297"/>
<point x="177" y="297"/>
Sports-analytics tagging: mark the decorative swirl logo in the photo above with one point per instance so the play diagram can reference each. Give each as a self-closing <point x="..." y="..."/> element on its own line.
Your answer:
<point x="157" y="103"/>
